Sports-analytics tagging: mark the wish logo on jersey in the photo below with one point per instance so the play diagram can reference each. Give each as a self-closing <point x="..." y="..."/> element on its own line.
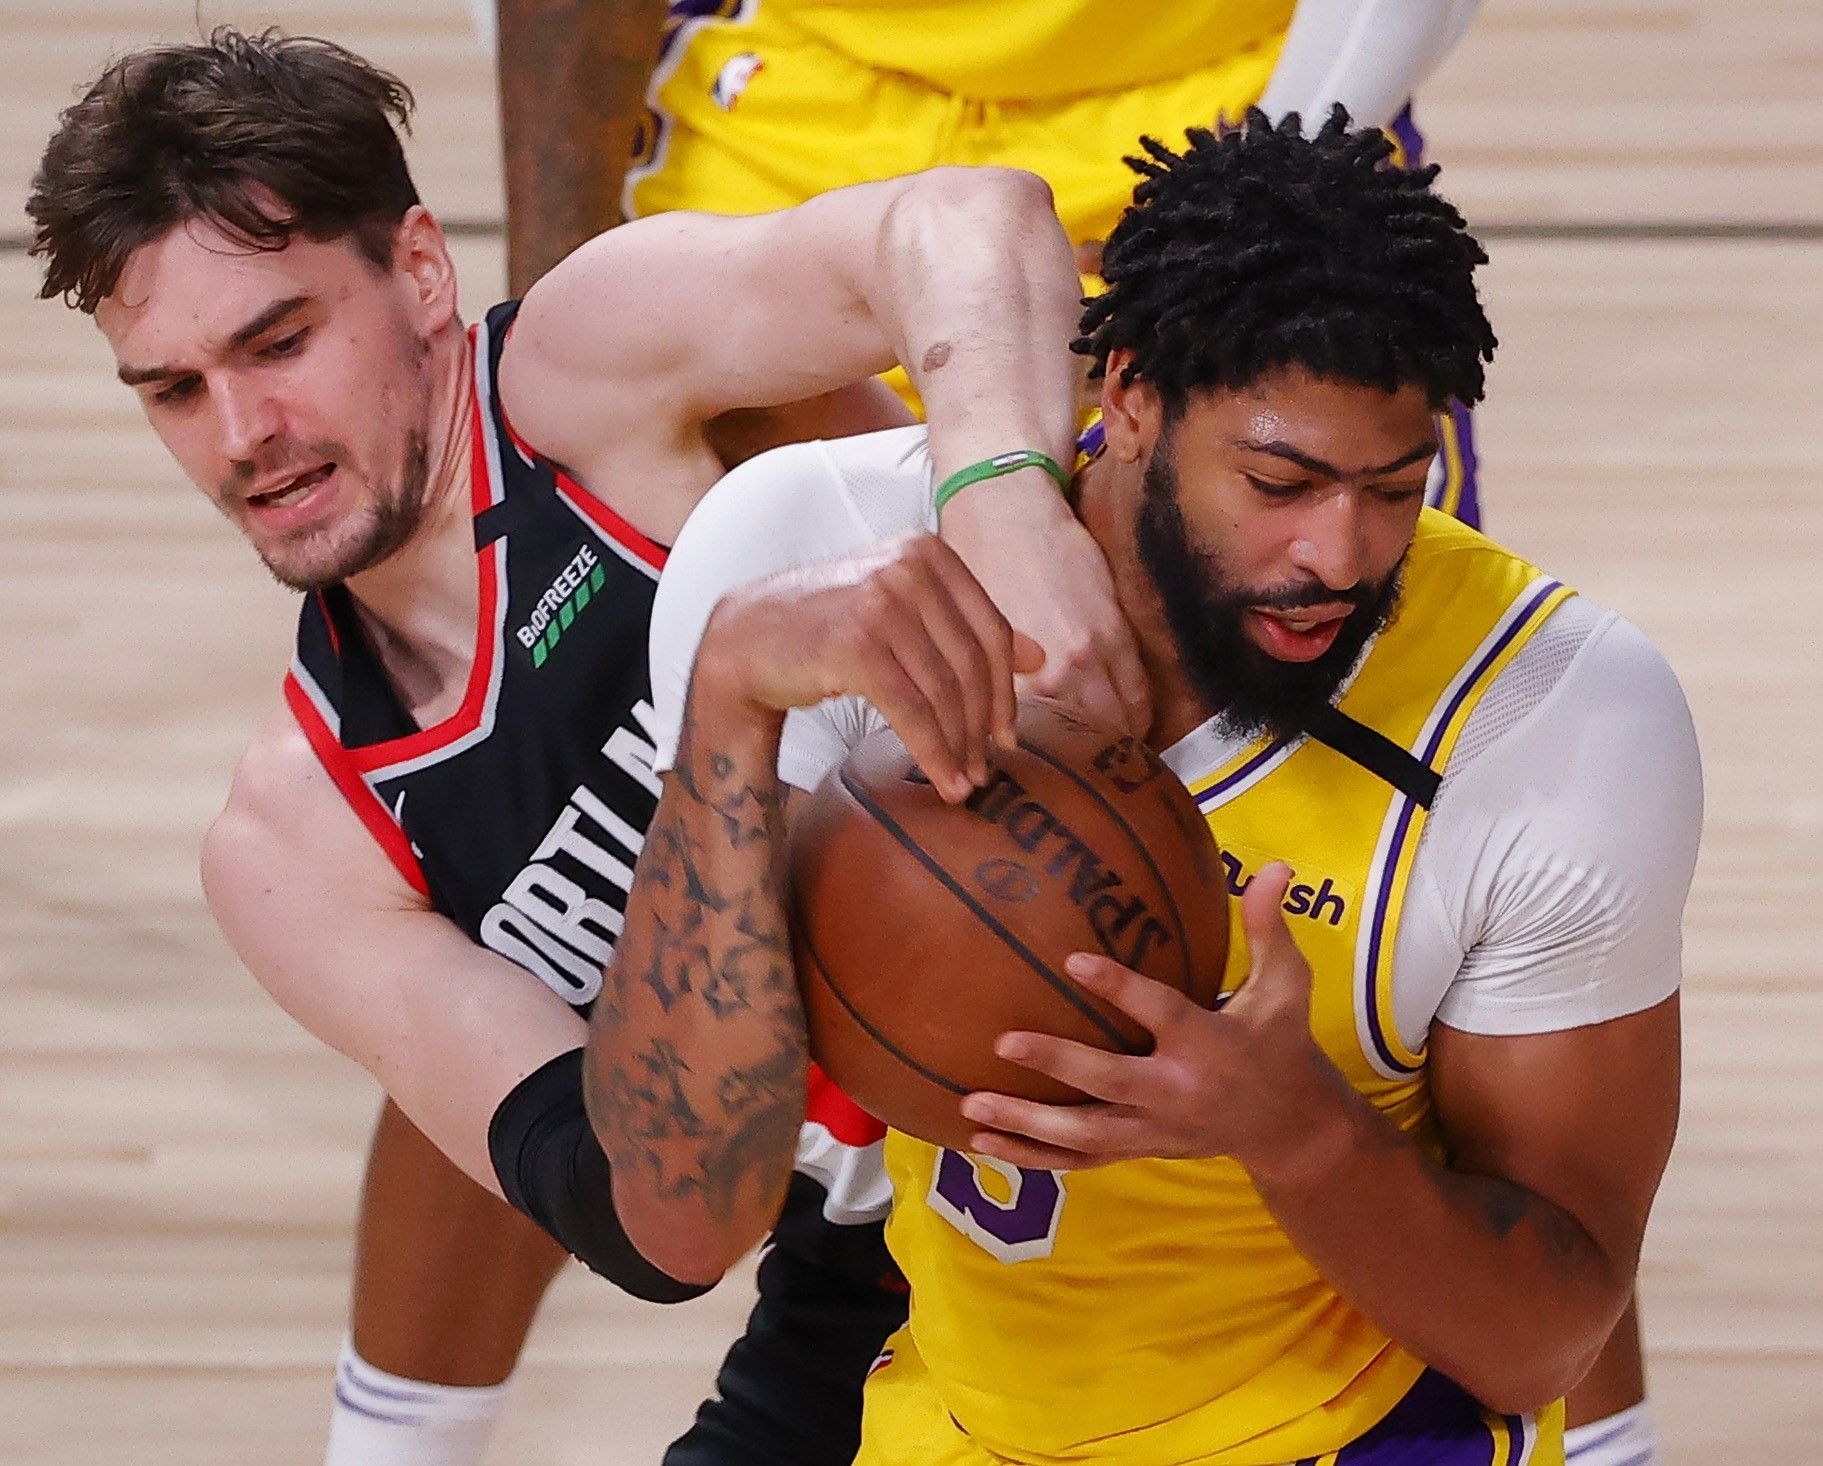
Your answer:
<point x="1318" y="899"/>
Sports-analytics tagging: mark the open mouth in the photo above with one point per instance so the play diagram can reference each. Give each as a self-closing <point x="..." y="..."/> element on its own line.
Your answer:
<point x="1301" y="624"/>
<point x="292" y="490"/>
<point x="1299" y="636"/>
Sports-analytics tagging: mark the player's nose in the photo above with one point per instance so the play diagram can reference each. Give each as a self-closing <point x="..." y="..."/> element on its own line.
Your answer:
<point x="1332" y="543"/>
<point x="246" y="418"/>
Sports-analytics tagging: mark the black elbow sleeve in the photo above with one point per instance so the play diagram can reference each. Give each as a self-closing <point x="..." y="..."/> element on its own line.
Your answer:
<point x="551" y="1167"/>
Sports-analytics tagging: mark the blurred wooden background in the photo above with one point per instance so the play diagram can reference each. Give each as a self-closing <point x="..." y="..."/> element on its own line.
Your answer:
<point x="178" y="1162"/>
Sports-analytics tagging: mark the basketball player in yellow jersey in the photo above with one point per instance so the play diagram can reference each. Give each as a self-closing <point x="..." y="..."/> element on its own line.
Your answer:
<point x="1387" y="1202"/>
<point x="754" y="106"/>
<point x="757" y="104"/>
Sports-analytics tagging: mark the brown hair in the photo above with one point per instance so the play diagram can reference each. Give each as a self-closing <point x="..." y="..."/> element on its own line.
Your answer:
<point x="222" y="129"/>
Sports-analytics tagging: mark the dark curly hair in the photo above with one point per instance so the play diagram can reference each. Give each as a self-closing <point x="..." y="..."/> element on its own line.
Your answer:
<point x="1260" y="248"/>
<point x="269" y="136"/>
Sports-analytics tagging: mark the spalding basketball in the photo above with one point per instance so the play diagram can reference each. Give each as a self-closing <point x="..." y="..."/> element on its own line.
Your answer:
<point x="925" y="930"/>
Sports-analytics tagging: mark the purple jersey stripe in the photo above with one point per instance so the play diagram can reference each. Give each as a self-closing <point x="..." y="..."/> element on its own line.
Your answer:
<point x="1468" y="492"/>
<point x="1376" y="933"/>
<point x="1411" y="141"/>
<point x="1520" y="622"/>
<point x="1467" y="489"/>
<point x="681" y="12"/>
<point x="1428" y="754"/>
<point x="1265" y="755"/>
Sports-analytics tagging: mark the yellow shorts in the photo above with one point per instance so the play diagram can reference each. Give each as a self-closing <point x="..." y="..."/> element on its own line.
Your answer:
<point x="751" y="114"/>
<point x="904" y="1423"/>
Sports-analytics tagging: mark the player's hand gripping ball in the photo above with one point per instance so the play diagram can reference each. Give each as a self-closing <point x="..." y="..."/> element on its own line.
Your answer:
<point x="925" y="930"/>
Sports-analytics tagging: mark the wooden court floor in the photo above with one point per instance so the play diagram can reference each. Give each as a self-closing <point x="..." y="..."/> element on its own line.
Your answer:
<point x="178" y="1162"/>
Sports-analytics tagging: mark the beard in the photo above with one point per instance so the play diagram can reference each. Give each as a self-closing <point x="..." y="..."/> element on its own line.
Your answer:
<point x="361" y="537"/>
<point x="318" y="559"/>
<point x="1254" y="692"/>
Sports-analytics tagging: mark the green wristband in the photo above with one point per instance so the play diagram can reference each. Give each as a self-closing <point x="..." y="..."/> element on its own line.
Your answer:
<point x="997" y="466"/>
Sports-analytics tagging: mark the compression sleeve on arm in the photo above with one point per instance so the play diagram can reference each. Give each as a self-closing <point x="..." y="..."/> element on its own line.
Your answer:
<point x="790" y="507"/>
<point x="551" y="1167"/>
<point x="1571" y="845"/>
<point x="1369" y="55"/>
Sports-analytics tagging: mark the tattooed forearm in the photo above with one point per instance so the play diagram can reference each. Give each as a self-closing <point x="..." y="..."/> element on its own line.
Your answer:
<point x="697" y="1050"/>
<point x="1505" y="1207"/>
<point x="1489" y="1281"/>
<point x="1491" y="1203"/>
<point x="1499" y="1206"/>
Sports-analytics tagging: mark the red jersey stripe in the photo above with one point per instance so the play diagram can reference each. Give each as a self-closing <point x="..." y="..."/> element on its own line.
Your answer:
<point x="361" y="799"/>
<point x="597" y="513"/>
<point x="838" y="1114"/>
<point x="611" y="524"/>
<point x="467" y="717"/>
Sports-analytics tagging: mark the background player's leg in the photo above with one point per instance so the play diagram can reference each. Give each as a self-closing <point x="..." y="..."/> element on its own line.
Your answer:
<point x="447" y="1280"/>
<point x="572" y="77"/>
<point x="1606" y="1414"/>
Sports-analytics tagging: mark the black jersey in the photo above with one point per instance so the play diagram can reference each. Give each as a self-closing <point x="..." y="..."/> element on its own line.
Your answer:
<point x="521" y="815"/>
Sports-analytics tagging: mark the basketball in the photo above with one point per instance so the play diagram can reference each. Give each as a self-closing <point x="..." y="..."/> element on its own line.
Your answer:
<point x="925" y="930"/>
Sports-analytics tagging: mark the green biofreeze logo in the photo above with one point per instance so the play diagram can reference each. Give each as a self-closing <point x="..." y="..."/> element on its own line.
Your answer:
<point x="561" y="604"/>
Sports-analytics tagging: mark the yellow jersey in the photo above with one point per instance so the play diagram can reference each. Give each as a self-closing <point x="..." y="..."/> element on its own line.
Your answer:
<point x="1153" y="1312"/>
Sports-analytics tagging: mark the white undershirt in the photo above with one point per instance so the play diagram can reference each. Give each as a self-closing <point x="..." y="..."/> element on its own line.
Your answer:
<point x="1548" y="889"/>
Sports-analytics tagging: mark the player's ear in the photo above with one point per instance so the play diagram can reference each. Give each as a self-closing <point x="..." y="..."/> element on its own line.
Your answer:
<point x="421" y="260"/>
<point x="1132" y="413"/>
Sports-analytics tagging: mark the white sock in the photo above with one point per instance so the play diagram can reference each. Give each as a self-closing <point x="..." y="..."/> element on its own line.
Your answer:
<point x="382" y="1420"/>
<point x="1622" y="1439"/>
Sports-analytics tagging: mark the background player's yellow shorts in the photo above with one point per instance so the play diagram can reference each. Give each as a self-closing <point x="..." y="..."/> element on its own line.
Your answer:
<point x="773" y="116"/>
<point x="904" y="1423"/>
<point x="753" y="114"/>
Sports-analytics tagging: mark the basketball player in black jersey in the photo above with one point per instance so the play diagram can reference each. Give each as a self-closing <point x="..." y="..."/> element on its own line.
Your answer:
<point x="426" y="851"/>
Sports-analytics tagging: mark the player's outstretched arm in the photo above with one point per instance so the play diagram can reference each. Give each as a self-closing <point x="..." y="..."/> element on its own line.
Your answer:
<point x="482" y="1057"/>
<point x="328" y="927"/>
<point x="697" y="1049"/>
<point x="964" y="275"/>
